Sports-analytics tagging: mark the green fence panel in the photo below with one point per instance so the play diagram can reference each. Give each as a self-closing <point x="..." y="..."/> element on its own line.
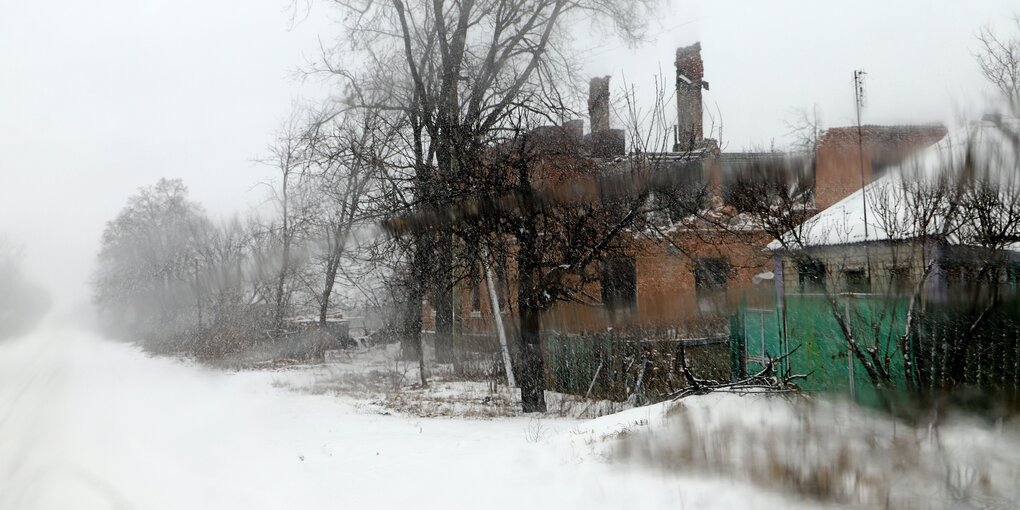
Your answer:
<point x="808" y="333"/>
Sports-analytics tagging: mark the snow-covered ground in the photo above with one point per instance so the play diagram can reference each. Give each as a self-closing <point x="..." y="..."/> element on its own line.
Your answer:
<point x="91" y="423"/>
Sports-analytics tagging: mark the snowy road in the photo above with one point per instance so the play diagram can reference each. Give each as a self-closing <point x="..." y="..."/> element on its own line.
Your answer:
<point x="90" y="423"/>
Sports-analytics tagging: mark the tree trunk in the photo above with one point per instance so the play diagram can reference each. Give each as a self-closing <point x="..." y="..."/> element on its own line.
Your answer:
<point x="531" y="372"/>
<point x="422" y="373"/>
<point x="443" y="299"/>
<point x="327" y="291"/>
<point x="285" y="256"/>
<point x="198" y="295"/>
<point x="530" y="366"/>
<point x="410" y="334"/>
<point x="530" y="369"/>
<point x="411" y="344"/>
<point x="280" y="285"/>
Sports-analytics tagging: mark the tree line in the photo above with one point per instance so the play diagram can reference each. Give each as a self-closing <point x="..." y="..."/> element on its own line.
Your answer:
<point x="170" y="275"/>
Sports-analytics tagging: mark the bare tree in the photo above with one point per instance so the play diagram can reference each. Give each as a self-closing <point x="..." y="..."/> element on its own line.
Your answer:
<point x="999" y="59"/>
<point x="348" y="154"/>
<point x="554" y="215"/>
<point x="462" y="70"/>
<point x="145" y="276"/>
<point x="805" y="129"/>
<point x="292" y="193"/>
<point x="226" y="288"/>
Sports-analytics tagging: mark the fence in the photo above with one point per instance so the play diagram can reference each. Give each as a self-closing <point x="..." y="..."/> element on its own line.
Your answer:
<point x="614" y="367"/>
<point x="807" y="332"/>
<point x="990" y="359"/>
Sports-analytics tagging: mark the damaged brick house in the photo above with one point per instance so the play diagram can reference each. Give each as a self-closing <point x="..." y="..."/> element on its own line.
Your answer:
<point x="677" y="281"/>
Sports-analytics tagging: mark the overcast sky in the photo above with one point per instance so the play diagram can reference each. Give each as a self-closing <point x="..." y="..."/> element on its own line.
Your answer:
<point x="99" y="98"/>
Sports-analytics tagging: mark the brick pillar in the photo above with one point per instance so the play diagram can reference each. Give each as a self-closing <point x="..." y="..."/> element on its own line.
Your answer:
<point x="690" y="74"/>
<point x="598" y="104"/>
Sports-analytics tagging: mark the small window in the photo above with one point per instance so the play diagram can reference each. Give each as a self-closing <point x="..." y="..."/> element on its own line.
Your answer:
<point x="475" y="295"/>
<point x="619" y="282"/>
<point x="857" y="281"/>
<point x="811" y="276"/>
<point x="476" y="300"/>
<point x="710" y="279"/>
<point x="502" y="289"/>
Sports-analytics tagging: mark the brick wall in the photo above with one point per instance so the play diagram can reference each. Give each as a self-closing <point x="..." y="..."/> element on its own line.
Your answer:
<point x="839" y="155"/>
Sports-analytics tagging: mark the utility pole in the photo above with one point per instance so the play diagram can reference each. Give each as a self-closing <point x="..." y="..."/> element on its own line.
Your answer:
<point x="859" y="103"/>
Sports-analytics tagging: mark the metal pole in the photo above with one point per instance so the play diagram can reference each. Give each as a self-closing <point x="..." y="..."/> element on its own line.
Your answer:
<point x="498" y="318"/>
<point x="849" y="352"/>
<point x="859" y="101"/>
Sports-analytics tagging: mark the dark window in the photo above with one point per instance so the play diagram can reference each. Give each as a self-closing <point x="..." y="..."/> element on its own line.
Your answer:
<point x="502" y="290"/>
<point x="619" y="282"/>
<point x="857" y="281"/>
<point x="710" y="279"/>
<point x="475" y="284"/>
<point x="811" y="275"/>
<point x="476" y="298"/>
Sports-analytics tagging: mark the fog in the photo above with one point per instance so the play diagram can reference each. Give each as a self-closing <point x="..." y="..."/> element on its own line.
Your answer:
<point x="452" y="272"/>
<point x="24" y="301"/>
<point x="100" y="99"/>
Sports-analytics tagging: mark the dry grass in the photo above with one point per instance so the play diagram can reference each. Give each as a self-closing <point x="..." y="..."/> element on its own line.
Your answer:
<point x="467" y="399"/>
<point x="380" y="381"/>
<point x="835" y="457"/>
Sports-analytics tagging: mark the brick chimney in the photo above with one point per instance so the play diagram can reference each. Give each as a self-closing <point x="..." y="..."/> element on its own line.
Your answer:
<point x="690" y="73"/>
<point x="603" y="141"/>
<point x="598" y="104"/>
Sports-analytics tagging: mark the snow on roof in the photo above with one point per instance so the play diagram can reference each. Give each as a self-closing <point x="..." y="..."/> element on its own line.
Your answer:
<point x="888" y="217"/>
